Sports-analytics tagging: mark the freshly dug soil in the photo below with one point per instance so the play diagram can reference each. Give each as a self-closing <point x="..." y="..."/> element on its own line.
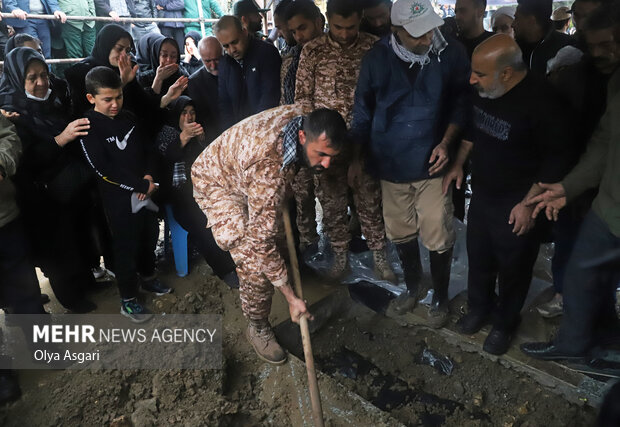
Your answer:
<point x="362" y="353"/>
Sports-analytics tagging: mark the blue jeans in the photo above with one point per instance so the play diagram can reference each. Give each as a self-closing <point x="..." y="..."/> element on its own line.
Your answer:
<point x="589" y="311"/>
<point x="40" y="29"/>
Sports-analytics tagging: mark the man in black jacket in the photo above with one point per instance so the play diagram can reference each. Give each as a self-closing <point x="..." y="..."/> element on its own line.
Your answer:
<point x="535" y="35"/>
<point x="249" y="73"/>
<point x="202" y="87"/>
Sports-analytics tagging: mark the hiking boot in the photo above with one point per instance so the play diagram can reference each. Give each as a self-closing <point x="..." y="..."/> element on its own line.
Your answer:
<point x="155" y="286"/>
<point x="438" y="315"/>
<point x="265" y="344"/>
<point x="405" y="302"/>
<point x="339" y="266"/>
<point x="135" y="311"/>
<point x="383" y="269"/>
<point x="553" y="308"/>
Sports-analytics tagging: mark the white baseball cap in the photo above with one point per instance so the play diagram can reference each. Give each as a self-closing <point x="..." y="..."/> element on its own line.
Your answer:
<point x="417" y="16"/>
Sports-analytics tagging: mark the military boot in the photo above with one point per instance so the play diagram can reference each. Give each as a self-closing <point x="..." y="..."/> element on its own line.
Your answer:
<point x="340" y="265"/>
<point x="409" y="254"/>
<point x="261" y="336"/>
<point x="382" y="266"/>
<point x="440" y="273"/>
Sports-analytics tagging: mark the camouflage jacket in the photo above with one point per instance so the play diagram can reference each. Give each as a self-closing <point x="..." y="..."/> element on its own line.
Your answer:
<point x="246" y="161"/>
<point x="327" y="73"/>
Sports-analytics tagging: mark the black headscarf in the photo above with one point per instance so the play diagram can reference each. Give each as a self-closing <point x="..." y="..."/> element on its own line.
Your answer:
<point x="12" y="92"/>
<point x="148" y="51"/>
<point x="105" y="41"/>
<point x="194" y="35"/>
<point x="176" y="108"/>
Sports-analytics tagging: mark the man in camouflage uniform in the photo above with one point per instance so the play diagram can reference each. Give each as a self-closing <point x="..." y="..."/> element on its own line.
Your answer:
<point x="240" y="182"/>
<point x="326" y="77"/>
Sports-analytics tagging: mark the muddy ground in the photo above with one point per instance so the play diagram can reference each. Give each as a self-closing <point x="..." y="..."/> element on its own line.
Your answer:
<point x="366" y="357"/>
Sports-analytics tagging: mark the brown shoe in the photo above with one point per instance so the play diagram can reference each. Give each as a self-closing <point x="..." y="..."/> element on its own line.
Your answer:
<point x="265" y="344"/>
<point x="382" y="266"/>
<point x="339" y="266"/>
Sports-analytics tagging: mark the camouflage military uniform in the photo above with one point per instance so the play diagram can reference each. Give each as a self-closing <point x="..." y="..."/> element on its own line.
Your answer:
<point x="327" y="77"/>
<point x="239" y="184"/>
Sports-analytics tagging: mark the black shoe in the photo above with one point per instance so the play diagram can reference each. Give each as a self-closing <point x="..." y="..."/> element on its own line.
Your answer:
<point x="471" y="323"/>
<point x="9" y="387"/>
<point x="497" y="342"/>
<point x="548" y="351"/>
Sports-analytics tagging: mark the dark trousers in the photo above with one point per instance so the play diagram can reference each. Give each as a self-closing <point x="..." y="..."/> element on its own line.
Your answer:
<point x="589" y="312"/>
<point x="19" y="286"/>
<point x="175" y="33"/>
<point x="40" y="29"/>
<point x="134" y="237"/>
<point x="497" y="254"/>
<point x="189" y="215"/>
<point x="60" y="245"/>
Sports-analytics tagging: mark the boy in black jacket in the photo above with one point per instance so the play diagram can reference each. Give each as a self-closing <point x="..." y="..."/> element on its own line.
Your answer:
<point x="119" y="155"/>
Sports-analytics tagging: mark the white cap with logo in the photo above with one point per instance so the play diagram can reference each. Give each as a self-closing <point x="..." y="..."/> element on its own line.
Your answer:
<point x="417" y="16"/>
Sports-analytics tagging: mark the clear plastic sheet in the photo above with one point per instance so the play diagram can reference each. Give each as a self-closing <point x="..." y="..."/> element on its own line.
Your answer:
<point x="361" y="265"/>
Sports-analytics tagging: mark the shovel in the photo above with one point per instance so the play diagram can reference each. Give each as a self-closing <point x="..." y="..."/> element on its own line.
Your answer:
<point x="315" y="397"/>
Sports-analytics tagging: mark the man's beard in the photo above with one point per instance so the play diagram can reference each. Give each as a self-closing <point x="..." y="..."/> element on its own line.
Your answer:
<point x="315" y="169"/>
<point x="494" y="92"/>
<point x="381" y="31"/>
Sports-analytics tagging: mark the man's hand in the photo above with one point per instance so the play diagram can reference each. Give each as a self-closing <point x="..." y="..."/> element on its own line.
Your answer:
<point x="439" y="158"/>
<point x="298" y="308"/>
<point x="521" y="217"/>
<point x="551" y="200"/>
<point x="115" y="16"/>
<point x="19" y="14"/>
<point x="454" y="174"/>
<point x="127" y="72"/>
<point x="59" y="14"/>
<point x="159" y="7"/>
<point x="73" y="130"/>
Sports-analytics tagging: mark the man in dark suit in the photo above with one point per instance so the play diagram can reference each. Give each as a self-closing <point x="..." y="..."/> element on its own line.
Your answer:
<point x="249" y="73"/>
<point x="35" y="27"/>
<point x="202" y="87"/>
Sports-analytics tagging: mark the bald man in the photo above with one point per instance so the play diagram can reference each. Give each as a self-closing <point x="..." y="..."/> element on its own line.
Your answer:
<point x="520" y="136"/>
<point x="202" y="87"/>
<point x="249" y="73"/>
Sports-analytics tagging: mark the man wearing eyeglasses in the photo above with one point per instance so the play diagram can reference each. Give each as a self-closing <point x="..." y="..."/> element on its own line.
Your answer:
<point x="202" y="87"/>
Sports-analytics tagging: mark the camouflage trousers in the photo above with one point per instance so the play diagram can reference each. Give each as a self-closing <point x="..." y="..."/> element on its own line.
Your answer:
<point x="332" y="189"/>
<point x="228" y="217"/>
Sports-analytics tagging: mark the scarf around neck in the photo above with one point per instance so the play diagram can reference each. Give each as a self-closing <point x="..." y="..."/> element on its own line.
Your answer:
<point x="438" y="44"/>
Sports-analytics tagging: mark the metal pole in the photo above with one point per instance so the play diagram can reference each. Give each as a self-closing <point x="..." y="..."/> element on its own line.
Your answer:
<point x="200" y="15"/>
<point x="109" y="18"/>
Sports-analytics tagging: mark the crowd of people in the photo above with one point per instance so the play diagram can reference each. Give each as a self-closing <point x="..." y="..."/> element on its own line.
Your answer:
<point x="377" y="109"/>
